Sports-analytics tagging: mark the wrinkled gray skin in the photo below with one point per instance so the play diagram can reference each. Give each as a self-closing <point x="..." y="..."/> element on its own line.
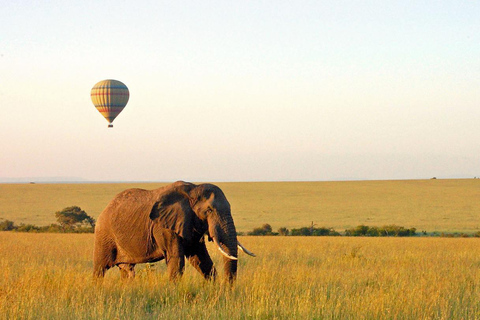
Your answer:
<point x="140" y="226"/>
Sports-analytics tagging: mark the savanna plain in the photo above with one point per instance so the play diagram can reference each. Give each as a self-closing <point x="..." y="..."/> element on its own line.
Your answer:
<point x="44" y="276"/>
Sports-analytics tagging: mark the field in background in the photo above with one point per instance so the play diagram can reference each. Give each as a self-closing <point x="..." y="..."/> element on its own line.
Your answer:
<point x="431" y="205"/>
<point x="46" y="276"/>
<point x="49" y="275"/>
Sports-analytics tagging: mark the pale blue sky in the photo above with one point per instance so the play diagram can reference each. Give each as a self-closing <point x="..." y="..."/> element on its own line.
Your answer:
<point x="241" y="90"/>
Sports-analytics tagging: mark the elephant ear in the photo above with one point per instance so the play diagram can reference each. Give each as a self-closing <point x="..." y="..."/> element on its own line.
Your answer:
<point x="172" y="211"/>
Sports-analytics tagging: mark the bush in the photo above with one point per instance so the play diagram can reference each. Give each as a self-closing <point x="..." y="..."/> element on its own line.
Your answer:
<point x="27" y="228"/>
<point x="360" y="230"/>
<point x="265" y="230"/>
<point x="301" y="232"/>
<point x="283" y="231"/>
<point x="447" y="235"/>
<point x="7" y="225"/>
<point x="53" y="228"/>
<point x="396" y="231"/>
<point x="385" y="231"/>
<point x="305" y="231"/>
<point x="324" y="232"/>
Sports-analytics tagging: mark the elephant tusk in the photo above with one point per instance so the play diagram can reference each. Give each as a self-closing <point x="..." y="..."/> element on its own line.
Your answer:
<point x="223" y="251"/>
<point x="245" y="250"/>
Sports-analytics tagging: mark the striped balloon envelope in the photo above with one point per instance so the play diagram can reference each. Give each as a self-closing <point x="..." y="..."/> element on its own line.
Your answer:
<point x="110" y="97"/>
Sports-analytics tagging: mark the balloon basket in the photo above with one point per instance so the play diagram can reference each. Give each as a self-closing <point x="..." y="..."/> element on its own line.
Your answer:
<point x="110" y="125"/>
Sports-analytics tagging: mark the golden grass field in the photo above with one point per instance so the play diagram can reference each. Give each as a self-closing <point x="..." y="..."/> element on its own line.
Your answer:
<point x="45" y="276"/>
<point x="431" y="205"/>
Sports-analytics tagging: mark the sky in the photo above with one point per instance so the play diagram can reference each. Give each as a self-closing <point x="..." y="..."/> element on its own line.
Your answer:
<point x="241" y="90"/>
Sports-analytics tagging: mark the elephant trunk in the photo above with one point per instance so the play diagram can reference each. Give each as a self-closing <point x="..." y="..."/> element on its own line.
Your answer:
<point x="224" y="235"/>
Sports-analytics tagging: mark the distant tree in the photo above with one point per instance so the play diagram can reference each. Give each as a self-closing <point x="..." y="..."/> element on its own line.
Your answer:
<point x="304" y="231"/>
<point x="324" y="232"/>
<point x="361" y="230"/>
<point x="265" y="230"/>
<point x="7" y="225"/>
<point x="310" y="231"/>
<point x="397" y="231"/>
<point x="283" y="231"/>
<point x="385" y="231"/>
<point x="74" y="218"/>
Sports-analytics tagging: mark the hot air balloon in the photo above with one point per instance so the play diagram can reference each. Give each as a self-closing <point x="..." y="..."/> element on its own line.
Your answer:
<point x="110" y="97"/>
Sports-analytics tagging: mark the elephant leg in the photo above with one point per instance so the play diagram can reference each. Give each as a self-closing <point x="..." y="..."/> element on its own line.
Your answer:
<point x="200" y="260"/>
<point x="104" y="255"/>
<point x="127" y="271"/>
<point x="175" y="257"/>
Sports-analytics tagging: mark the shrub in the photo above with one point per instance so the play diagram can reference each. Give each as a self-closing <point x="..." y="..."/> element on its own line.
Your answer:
<point x="396" y="231"/>
<point x="360" y="230"/>
<point x="283" y="231"/>
<point x="265" y="230"/>
<point x="385" y="231"/>
<point x="324" y="232"/>
<point x="27" y="228"/>
<point x="7" y="225"/>
<point x="53" y="228"/>
<point x="301" y="232"/>
<point x="305" y="231"/>
<point x="447" y="235"/>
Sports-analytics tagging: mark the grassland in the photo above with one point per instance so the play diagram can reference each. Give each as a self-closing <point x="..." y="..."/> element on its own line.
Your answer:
<point x="48" y="276"/>
<point x="431" y="205"/>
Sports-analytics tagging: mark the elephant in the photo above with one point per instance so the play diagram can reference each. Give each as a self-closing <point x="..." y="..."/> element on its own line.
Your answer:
<point x="140" y="226"/>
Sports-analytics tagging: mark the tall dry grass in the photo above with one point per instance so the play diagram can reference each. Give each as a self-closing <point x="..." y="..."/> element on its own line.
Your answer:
<point x="45" y="276"/>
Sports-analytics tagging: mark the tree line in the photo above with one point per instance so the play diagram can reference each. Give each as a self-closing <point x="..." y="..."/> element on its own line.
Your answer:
<point x="75" y="220"/>
<point x="69" y="220"/>
<point x="391" y="230"/>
